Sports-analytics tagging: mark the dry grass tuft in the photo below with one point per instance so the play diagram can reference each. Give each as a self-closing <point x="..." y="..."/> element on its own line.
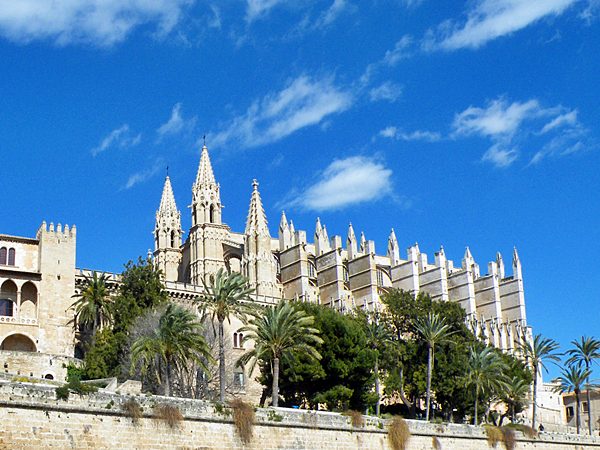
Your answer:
<point x="436" y="443"/>
<point x="168" y="414"/>
<point x="133" y="410"/>
<point x="494" y="435"/>
<point x="243" y="419"/>
<point x="356" y="418"/>
<point x="528" y="431"/>
<point x="508" y="436"/>
<point x="398" y="434"/>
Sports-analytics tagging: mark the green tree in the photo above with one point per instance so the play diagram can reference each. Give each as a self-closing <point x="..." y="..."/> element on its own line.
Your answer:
<point x="225" y="296"/>
<point x="378" y="337"/>
<point x="573" y="379"/>
<point x="515" y="395"/>
<point x="93" y="307"/>
<point x="433" y="330"/>
<point x="536" y="353"/>
<point x="485" y="374"/>
<point x="585" y="353"/>
<point x="175" y="342"/>
<point x="279" y="333"/>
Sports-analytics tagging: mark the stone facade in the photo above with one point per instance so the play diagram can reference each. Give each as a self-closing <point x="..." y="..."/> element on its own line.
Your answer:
<point x="31" y="417"/>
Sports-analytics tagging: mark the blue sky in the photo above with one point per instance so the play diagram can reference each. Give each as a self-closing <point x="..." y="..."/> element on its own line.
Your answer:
<point x="459" y="124"/>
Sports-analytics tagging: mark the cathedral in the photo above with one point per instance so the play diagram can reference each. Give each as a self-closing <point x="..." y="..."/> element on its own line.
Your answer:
<point x="38" y="276"/>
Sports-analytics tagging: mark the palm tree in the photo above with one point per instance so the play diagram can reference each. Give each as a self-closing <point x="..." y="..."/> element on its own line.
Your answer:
<point x="433" y="330"/>
<point x="485" y="373"/>
<point x="93" y="307"/>
<point x="278" y="333"/>
<point x="536" y="352"/>
<point x="573" y="378"/>
<point x="378" y="336"/>
<point x="175" y="342"/>
<point x="225" y="294"/>
<point x="584" y="353"/>
<point x="515" y="395"/>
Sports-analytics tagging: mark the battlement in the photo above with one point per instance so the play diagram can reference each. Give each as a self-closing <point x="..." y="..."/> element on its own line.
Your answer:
<point x="59" y="231"/>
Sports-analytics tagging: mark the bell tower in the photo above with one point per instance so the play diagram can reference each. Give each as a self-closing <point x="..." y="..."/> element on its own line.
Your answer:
<point x="167" y="234"/>
<point x="208" y="233"/>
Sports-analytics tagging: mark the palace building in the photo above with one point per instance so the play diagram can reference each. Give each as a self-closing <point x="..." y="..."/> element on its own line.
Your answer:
<point x="39" y="276"/>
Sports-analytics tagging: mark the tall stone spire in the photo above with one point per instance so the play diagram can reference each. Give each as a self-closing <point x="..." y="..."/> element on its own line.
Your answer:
<point x="259" y="264"/>
<point x="363" y="242"/>
<point x="393" y="251"/>
<point x="516" y="263"/>
<point x="167" y="234"/>
<point x="285" y="237"/>
<point x="500" y="264"/>
<point x="206" y="198"/>
<point x="352" y="247"/>
<point x="257" y="220"/>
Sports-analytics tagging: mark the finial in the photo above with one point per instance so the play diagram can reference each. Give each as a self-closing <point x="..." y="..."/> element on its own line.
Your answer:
<point x="204" y="141"/>
<point x="255" y="184"/>
<point x="167" y="171"/>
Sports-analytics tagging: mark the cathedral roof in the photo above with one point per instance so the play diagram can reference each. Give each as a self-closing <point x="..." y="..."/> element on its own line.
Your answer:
<point x="205" y="176"/>
<point x="167" y="201"/>
<point x="257" y="220"/>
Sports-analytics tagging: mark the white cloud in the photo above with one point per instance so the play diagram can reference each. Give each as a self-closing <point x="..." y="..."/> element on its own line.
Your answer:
<point x="99" y="22"/>
<point x="387" y="91"/>
<point x="332" y="13"/>
<point x="400" y="51"/>
<point x="392" y="132"/>
<point x="490" y="19"/>
<point x="257" y="8"/>
<point x="143" y="175"/>
<point x="498" y="119"/>
<point x="507" y="125"/>
<point x="500" y="157"/>
<point x="120" y="137"/>
<point x="302" y="103"/>
<point x="346" y="182"/>
<point x="176" y="123"/>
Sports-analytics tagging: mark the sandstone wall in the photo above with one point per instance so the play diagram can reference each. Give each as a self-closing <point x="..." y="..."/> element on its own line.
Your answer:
<point x="31" y="418"/>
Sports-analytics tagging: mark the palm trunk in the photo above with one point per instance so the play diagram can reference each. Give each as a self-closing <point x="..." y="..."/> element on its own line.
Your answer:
<point x="403" y="397"/>
<point x="168" y="379"/>
<point x="589" y="401"/>
<point x="577" y="415"/>
<point x="535" y="377"/>
<point x="275" y="394"/>
<point x="429" y="368"/>
<point x="221" y="363"/>
<point x="476" y="401"/>
<point x="378" y="402"/>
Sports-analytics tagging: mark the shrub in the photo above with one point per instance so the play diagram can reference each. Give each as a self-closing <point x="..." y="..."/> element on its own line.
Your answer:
<point x="494" y="435"/>
<point x="76" y="386"/>
<point x="525" y="429"/>
<point x="133" y="410"/>
<point x="356" y="418"/>
<point x="508" y="434"/>
<point x="168" y="414"/>
<point x="436" y="444"/>
<point x="398" y="434"/>
<point x="243" y="419"/>
<point x="62" y="392"/>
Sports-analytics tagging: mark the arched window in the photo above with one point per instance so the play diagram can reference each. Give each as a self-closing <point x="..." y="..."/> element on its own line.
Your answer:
<point x="11" y="256"/>
<point x="3" y="256"/>
<point x="211" y="212"/>
<point x="312" y="269"/>
<point x="6" y="307"/>
<point x="172" y="239"/>
<point x="18" y="342"/>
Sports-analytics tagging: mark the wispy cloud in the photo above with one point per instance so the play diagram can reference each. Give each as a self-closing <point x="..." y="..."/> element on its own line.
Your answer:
<point x="507" y="125"/>
<point x="143" y="175"/>
<point x="176" y="123"/>
<point x="331" y="13"/>
<point x="490" y="19"/>
<point x="337" y="186"/>
<point x="97" y="22"/>
<point x="387" y="91"/>
<point x="392" y="132"/>
<point x="258" y="8"/>
<point x="403" y="49"/>
<point x="121" y="137"/>
<point x="303" y="102"/>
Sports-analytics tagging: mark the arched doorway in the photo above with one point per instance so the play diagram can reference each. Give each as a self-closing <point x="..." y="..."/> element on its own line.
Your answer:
<point x="19" y="343"/>
<point x="28" y="301"/>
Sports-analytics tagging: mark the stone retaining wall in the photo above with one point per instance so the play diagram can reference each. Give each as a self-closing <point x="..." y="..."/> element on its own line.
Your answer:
<point x="32" y="418"/>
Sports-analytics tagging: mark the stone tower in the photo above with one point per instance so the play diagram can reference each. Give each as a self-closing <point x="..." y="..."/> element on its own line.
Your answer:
<point x="208" y="232"/>
<point x="259" y="264"/>
<point x="167" y="235"/>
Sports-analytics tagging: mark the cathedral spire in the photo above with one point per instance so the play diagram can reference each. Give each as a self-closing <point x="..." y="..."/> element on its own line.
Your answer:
<point x="393" y="251"/>
<point x="285" y="237"/>
<point x="205" y="175"/>
<point x="257" y="220"/>
<point x="351" y="243"/>
<point x="167" y="200"/>
<point x="516" y="262"/>
<point x="500" y="264"/>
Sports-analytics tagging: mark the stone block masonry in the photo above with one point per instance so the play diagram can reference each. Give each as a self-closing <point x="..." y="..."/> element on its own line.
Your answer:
<point x="32" y="418"/>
